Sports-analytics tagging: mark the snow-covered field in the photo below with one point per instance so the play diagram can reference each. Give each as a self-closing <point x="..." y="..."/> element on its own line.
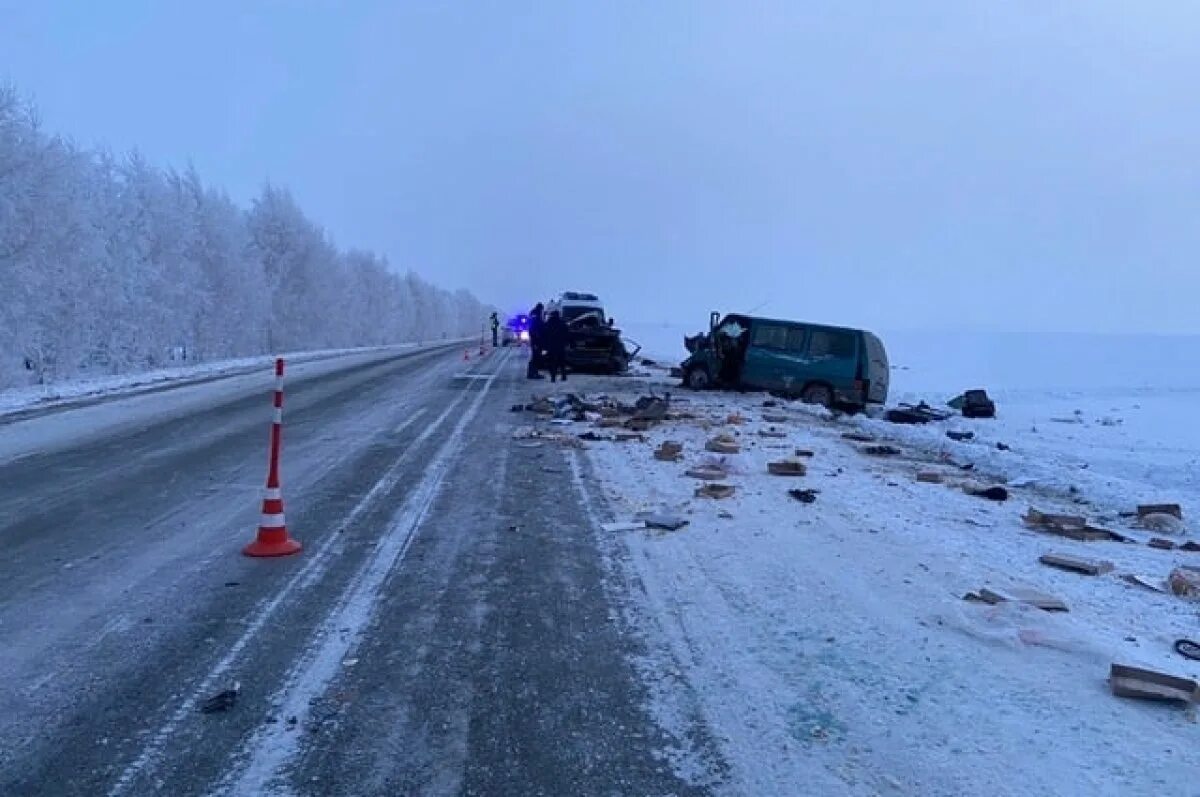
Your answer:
<point x="829" y="645"/>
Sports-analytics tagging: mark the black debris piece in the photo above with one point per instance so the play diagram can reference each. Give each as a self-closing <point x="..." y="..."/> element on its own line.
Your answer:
<point x="976" y="404"/>
<point x="881" y="451"/>
<point x="960" y="437"/>
<point x="990" y="493"/>
<point x="1188" y="649"/>
<point x="915" y="413"/>
<point x="804" y="496"/>
<point x="1003" y="447"/>
<point x="222" y="701"/>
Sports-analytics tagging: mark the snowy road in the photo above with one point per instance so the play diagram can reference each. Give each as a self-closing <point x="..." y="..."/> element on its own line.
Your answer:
<point x="447" y="629"/>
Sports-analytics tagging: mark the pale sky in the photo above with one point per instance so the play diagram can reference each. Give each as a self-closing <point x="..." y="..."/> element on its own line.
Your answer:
<point x="916" y="164"/>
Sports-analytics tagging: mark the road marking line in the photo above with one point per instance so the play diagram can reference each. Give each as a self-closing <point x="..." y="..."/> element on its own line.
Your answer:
<point x="305" y="577"/>
<point x="274" y="746"/>
<point x="409" y="421"/>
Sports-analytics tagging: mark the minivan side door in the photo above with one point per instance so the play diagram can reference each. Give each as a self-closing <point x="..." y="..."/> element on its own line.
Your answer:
<point x="771" y="357"/>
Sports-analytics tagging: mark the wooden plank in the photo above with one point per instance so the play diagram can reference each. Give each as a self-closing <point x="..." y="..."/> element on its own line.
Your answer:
<point x="1160" y="509"/>
<point x="1085" y="566"/>
<point x="1032" y="597"/>
<point x="1144" y="684"/>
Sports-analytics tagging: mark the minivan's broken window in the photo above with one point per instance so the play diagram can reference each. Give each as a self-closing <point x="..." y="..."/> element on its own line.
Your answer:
<point x="831" y="343"/>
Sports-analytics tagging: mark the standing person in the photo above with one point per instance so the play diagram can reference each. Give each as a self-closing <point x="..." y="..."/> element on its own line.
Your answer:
<point x="555" y="339"/>
<point x="535" y="341"/>
<point x="495" y="330"/>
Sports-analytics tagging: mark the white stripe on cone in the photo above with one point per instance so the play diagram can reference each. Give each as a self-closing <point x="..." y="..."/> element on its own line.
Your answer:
<point x="278" y="415"/>
<point x="272" y="521"/>
<point x="273" y="492"/>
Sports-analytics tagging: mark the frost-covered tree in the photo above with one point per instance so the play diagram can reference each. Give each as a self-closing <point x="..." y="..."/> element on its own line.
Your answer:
<point x="109" y="265"/>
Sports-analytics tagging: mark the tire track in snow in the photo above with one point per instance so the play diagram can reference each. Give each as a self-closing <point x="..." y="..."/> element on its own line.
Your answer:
<point x="274" y="747"/>
<point x="304" y="578"/>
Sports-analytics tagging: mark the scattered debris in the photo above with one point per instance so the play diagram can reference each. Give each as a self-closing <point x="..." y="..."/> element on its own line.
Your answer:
<point x="1190" y="546"/>
<point x="624" y="525"/>
<point x="787" y="467"/>
<point x="1185" y="582"/>
<point x="1003" y="447"/>
<point x="803" y="452"/>
<point x="775" y="417"/>
<point x="1146" y="582"/>
<point x="1144" y="684"/>
<point x="881" y="451"/>
<point x="669" y="451"/>
<point x="1085" y="566"/>
<point x="930" y="477"/>
<point x="714" y="490"/>
<point x="629" y="437"/>
<point x="1188" y="649"/>
<point x="1074" y="527"/>
<point x="858" y="437"/>
<point x="652" y="409"/>
<point x="736" y="419"/>
<point x="772" y="433"/>
<point x="1161" y="544"/>
<point x="915" y="414"/>
<point x="1161" y="522"/>
<point x="960" y="437"/>
<point x="1026" y="595"/>
<point x="990" y="493"/>
<point x="665" y="522"/>
<point x="974" y="404"/>
<point x="638" y="425"/>
<point x="804" y="496"/>
<point x="707" y="474"/>
<point x="592" y="437"/>
<point x="1160" y="509"/>
<point x="222" y="701"/>
<point x="725" y="515"/>
<point x="723" y="444"/>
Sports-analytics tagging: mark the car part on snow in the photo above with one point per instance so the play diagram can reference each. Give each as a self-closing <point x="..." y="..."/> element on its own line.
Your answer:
<point x="1161" y="544"/>
<point x="222" y="701"/>
<point x="881" y="451"/>
<point x="1160" y="509"/>
<point x="990" y="493"/>
<point x="708" y="474"/>
<point x="1026" y="595"/>
<point x="803" y="452"/>
<point x="1188" y="649"/>
<point x="775" y="417"/>
<point x="1085" y="567"/>
<point x="787" y="467"/>
<point x="915" y="414"/>
<point x="664" y="522"/>
<point x="1074" y="527"/>
<point x="804" y="496"/>
<point x="723" y="444"/>
<point x="930" y="477"/>
<point x="624" y="525"/>
<point x="858" y="437"/>
<point x="716" y="491"/>
<point x="773" y="434"/>
<point x="974" y="404"/>
<point x="1145" y="582"/>
<point x="1142" y="684"/>
<point x="960" y="437"/>
<point x="669" y="451"/>
<point x="1161" y="522"/>
<point x="1184" y="582"/>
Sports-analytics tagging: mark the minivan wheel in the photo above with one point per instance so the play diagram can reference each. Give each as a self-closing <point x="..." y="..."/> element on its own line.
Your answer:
<point x="698" y="379"/>
<point x="817" y="394"/>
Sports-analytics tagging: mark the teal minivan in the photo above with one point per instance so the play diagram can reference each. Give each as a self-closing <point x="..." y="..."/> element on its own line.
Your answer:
<point x="833" y="366"/>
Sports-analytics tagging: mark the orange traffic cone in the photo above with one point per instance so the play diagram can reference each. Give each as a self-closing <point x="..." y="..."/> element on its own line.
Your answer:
<point x="273" y="539"/>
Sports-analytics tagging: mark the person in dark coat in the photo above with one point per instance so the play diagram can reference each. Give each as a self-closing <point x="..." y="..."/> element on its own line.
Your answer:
<point x="495" y="330"/>
<point x="554" y="341"/>
<point x="535" y="342"/>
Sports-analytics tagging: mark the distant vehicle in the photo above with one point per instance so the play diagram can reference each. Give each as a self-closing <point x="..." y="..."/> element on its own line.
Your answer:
<point x="515" y="331"/>
<point x="594" y="343"/>
<point x="832" y="366"/>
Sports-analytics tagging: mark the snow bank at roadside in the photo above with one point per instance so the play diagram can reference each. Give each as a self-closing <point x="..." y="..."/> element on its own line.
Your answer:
<point x="59" y="393"/>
